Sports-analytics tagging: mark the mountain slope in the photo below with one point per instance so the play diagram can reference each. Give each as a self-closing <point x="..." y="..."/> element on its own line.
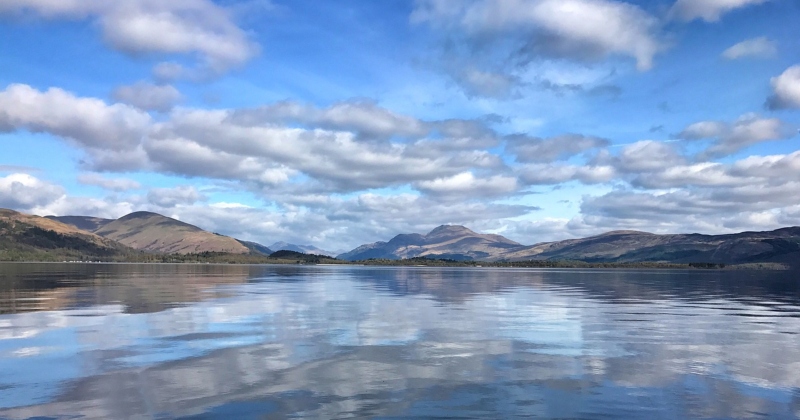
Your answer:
<point x="458" y="242"/>
<point x="631" y="246"/>
<point x="87" y="223"/>
<point x="305" y="249"/>
<point x="26" y="237"/>
<point x="156" y="233"/>
<point x="447" y="241"/>
<point x="256" y="248"/>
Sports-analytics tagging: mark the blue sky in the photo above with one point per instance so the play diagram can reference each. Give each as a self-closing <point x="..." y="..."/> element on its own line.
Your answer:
<point x="339" y="123"/>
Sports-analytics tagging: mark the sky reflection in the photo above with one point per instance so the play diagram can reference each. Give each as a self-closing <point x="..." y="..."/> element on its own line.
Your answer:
<point x="328" y="342"/>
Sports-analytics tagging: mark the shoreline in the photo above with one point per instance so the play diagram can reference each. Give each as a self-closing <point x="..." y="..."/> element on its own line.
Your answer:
<point x="765" y="266"/>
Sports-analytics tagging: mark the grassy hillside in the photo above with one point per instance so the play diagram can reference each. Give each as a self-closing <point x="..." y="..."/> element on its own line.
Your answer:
<point x="32" y="238"/>
<point x="153" y="232"/>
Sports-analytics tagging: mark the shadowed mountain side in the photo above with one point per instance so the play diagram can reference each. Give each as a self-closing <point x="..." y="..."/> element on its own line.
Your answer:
<point x="256" y="248"/>
<point x="458" y="242"/>
<point x="453" y="241"/>
<point x="87" y="223"/>
<point x="631" y="246"/>
<point x="156" y="233"/>
<point x="24" y="237"/>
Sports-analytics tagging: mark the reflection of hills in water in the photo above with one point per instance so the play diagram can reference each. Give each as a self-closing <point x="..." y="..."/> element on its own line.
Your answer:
<point x="381" y="342"/>
<point x="457" y="284"/>
<point x="154" y="287"/>
<point x="137" y="287"/>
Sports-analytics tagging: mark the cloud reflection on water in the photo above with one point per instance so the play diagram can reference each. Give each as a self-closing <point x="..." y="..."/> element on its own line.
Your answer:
<point x="405" y="342"/>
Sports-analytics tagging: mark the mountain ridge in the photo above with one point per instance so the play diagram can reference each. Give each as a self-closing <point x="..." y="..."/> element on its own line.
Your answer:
<point x="445" y="240"/>
<point x="24" y="237"/>
<point x="620" y="246"/>
<point x="154" y="232"/>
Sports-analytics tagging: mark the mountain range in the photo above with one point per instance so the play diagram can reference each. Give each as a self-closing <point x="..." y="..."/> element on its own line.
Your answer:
<point x="152" y="232"/>
<point x="447" y="241"/>
<point x="24" y="236"/>
<point x="460" y="243"/>
<point x="27" y="236"/>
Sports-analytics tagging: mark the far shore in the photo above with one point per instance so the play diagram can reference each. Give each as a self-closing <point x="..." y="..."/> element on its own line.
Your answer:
<point x="422" y="263"/>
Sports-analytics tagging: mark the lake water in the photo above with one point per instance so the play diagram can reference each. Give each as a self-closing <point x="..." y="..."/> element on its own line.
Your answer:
<point x="208" y="341"/>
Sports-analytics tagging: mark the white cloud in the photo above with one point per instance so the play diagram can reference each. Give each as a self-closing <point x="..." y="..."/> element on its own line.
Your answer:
<point x="786" y="89"/>
<point x="533" y="149"/>
<point x="703" y="130"/>
<point x="761" y="47"/>
<point x="212" y="143"/>
<point x="89" y="122"/>
<point x="467" y="186"/>
<point x="171" y="197"/>
<point x="147" y="96"/>
<point x="109" y="207"/>
<point x="23" y="191"/>
<point x="263" y="147"/>
<point x="580" y="29"/>
<point x="774" y="167"/>
<point x="646" y="156"/>
<point x="747" y="130"/>
<point x="704" y="174"/>
<point x="363" y="117"/>
<point x="708" y="10"/>
<point x="552" y="174"/>
<point x="154" y="26"/>
<point x="112" y="184"/>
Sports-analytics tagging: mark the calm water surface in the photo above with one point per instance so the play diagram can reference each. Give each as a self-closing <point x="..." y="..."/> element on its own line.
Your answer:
<point x="205" y="341"/>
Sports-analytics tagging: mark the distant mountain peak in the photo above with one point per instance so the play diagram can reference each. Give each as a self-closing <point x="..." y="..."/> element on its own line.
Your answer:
<point x="140" y="215"/>
<point x="158" y="233"/>
<point x="450" y="230"/>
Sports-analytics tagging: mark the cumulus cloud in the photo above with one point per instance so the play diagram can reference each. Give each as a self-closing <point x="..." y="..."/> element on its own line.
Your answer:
<point x="786" y="90"/>
<point x="317" y="165"/>
<point x="268" y="146"/>
<point x="217" y="144"/>
<point x="761" y="47"/>
<point x="147" y="96"/>
<point x="775" y="167"/>
<point x="644" y="156"/>
<point x="552" y="174"/>
<point x="729" y="138"/>
<point x="111" y="135"/>
<point x="89" y="122"/>
<point x="188" y="27"/>
<point x="713" y="208"/>
<point x="23" y="191"/>
<point x="705" y="174"/>
<point x="112" y="184"/>
<point x="574" y="29"/>
<point x="708" y="10"/>
<point x="534" y="149"/>
<point x="171" y="197"/>
<point x="364" y="117"/>
<point x="467" y="186"/>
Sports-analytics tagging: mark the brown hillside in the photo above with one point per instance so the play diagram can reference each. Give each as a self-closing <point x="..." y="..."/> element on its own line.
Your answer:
<point x="156" y="233"/>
